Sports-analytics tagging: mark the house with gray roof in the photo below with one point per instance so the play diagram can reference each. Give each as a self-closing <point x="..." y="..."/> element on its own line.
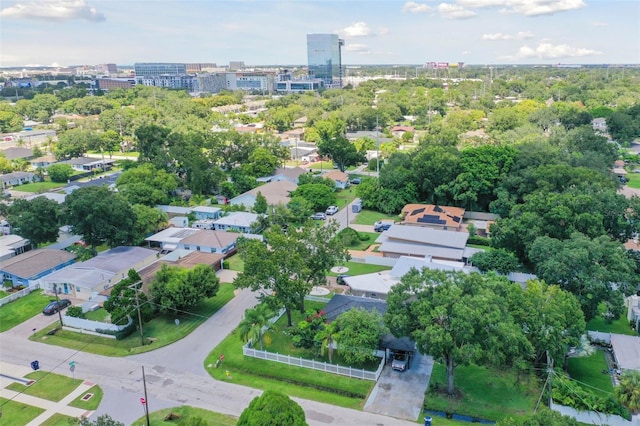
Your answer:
<point x="85" y="280"/>
<point x="236" y="221"/>
<point x="17" y="178"/>
<point x="208" y="241"/>
<point x="168" y="239"/>
<point x="12" y="245"/>
<point x="206" y="212"/>
<point x="402" y="240"/>
<point x="26" y="268"/>
<point x="278" y="192"/>
<point x="88" y="164"/>
<point x="16" y="152"/>
<point x="292" y="174"/>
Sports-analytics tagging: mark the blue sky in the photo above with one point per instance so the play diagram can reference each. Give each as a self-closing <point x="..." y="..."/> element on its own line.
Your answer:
<point x="261" y="32"/>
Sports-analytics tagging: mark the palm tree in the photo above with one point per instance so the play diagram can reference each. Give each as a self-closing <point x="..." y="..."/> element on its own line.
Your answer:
<point x="628" y="391"/>
<point x="329" y="338"/>
<point x="255" y="323"/>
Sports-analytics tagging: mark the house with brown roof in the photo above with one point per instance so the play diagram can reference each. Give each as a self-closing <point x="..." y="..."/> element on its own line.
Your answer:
<point x="341" y="179"/>
<point x="44" y="161"/>
<point x="398" y="131"/>
<point x="28" y="267"/>
<point x="433" y="216"/>
<point x="277" y="192"/>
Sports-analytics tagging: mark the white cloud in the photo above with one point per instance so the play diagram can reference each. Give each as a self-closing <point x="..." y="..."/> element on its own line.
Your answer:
<point x="357" y="48"/>
<point x="413" y="7"/>
<point x="553" y="51"/>
<point x="357" y="29"/>
<point x="521" y="35"/>
<point x="454" y="11"/>
<point x="53" y="9"/>
<point x="526" y="7"/>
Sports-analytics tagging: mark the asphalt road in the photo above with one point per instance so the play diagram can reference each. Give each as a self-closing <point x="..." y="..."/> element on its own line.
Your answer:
<point x="175" y="374"/>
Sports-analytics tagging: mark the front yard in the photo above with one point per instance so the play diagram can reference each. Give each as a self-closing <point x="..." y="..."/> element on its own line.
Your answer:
<point x="22" y="309"/>
<point x="369" y="217"/>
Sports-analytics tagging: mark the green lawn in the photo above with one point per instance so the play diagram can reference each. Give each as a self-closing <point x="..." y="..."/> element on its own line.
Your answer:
<point x="22" y="309"/>
<point x="160" y="331"/>
<point x="235" y="263"/>
<point x="38" y="187"/>
<point x="484" y="393"/>
<point x="91" y="404"/>
<point x="369" y="217"/>
<point x="356" y="268"/>
<point x="15" y="413"/>
<point x="363" y="245"/>
<point x="322" y="166"/>
<point x="619" y="326"/>
<point x="157" y="417"/>
<point x="100" y="314"/>
<point x="587" y="371"/>
<point x="3" y="294"/>
<point x="59" y="420"/>
<point x="132" y="154"/>
<point x="48" y="385"/>
<point x="478" y="246"/>
<point x="633" y="180"/>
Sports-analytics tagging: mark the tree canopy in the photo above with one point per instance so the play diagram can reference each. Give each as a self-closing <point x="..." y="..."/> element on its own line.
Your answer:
<point x="36" y="220"/>
<point x="272" y="408"/>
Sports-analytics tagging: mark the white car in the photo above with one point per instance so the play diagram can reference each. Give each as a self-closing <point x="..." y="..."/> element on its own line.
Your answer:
<point x="331" y="210"/>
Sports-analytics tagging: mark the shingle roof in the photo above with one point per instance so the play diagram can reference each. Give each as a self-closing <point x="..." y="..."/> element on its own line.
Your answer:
<point x="17" y="152"/>
<point x="336" y="175"/>
<point x="34" y="262"/>
<point x="341" y="303"/>
<point x="209" y="238"/>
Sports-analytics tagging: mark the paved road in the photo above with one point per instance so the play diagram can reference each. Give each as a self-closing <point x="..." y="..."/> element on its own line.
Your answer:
<point x="175" y="374"/>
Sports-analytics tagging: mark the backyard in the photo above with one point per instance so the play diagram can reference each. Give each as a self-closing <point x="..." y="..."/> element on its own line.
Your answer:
<point x="158" y="332"/>
<point x="619" y="326"/>
<point x="588" y="371"/>
<point x="294" y="381"/>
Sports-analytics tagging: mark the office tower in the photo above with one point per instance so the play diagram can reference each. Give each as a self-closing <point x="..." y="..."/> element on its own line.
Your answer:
<point x="324" y="56"/>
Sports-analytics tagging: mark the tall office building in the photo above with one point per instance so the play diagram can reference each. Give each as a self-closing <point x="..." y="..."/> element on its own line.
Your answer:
<point x="324" y="55"/>
<point x="153" y="69"/>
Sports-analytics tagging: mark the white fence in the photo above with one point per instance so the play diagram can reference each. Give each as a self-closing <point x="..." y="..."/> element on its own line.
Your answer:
<point x="593" y="417"/>
<point x="90" y="325"/>
<point x="18" y="294"/>
<point x="599" y="337"/>
<point x="314" y="365"/>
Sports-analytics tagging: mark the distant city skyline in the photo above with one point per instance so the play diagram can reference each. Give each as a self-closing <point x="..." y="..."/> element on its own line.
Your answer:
<point x="270" y="32"/>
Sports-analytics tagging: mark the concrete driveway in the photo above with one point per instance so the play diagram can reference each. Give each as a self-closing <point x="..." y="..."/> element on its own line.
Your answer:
<point x="400" y="394"/>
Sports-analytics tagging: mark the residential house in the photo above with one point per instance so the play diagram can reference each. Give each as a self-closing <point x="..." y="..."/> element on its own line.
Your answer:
<point x="13" y="245"/>
<point x="168" y="239"/>
<point x="184" y="259"/>
<point x="433" y="216"/>
<point x="206" y="212"/>
<point x="18" y="178"/>
<point x="16" y="152"/>
<point x="275" y="192"/>
<point x="179" y="222"/>
<point x="26" y="268"/>
<point x="173" y="211"/>
<point x="376" y="136"/>
<point x="58" y="197"/>
<point x="290" y="174"/>
<point x="208" y="241"/>
<point x="86" y="164"/>
<point x="237" y="222"/>
<point x="398" y="131"/>
<point x="301" y="122"/>
<point x="86" y="280"/>
<point x="599" y="126"/>
<point x="341" y="179"/>
<point x="417" y="241"/>
<point x="43" y="162"/>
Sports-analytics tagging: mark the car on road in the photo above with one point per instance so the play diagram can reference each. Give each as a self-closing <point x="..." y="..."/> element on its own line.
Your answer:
<point x="340" y="279"/>
<point x="356" y="181"/>
<point x="331" y="210"/>
<point x="399" y="362"/>
<point x="318" y="216"/>
<point x="382" y="225"/>
<point x="55" y="306"/>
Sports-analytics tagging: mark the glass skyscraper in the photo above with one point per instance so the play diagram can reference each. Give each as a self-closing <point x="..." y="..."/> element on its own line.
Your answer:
<point x="324" y="56"/>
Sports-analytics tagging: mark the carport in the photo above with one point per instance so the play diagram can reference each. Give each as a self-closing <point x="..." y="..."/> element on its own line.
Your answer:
<point x="391" y="345"/>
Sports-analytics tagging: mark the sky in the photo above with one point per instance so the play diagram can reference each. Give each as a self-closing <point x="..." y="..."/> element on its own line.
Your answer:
<point x="273" y="32"/>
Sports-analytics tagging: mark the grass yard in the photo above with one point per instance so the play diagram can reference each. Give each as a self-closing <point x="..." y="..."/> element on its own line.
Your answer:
<point x="91" y="404"/>
<point x="16" y="413"/>
<point x="587" y="371"/>
<point x="363" y="245"/>
<point x="100" y="314"/>
<point x="235" y="263"/>
<point x="162" y="330"/>
<point x="324" y="166"/>
<point x="356" y="268"/>
<point x="483" y="393"/>
<point x="478" y="246"/>
<point x="50" y="386"/>
<point x="619" y="326"/>
<point x="22" y="309"/>
<point x="38" y="187"/>
<point x="59" y="420"/>
<point x="3" y="294"/>
<point x="369" y="217"/>
<point x="633" y="180"/>
<point x="157" y="418"/>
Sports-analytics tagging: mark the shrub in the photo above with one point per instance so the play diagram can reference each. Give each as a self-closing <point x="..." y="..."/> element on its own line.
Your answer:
<point x="75" y="311"/>
<point x="480" y="241"/>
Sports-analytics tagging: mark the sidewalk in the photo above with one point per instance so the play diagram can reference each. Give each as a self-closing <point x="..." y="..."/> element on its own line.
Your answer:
<point x="50" y="407"/>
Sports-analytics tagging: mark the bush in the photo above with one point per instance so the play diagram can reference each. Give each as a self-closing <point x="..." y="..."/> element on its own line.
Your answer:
<point x="350" y="236"/>
<point x="75" y="311"/>
<point x="480" y="241"/>
<point x="60" y="172"/>
<point x="566" y="392"/>
<point x="270" y="409"/>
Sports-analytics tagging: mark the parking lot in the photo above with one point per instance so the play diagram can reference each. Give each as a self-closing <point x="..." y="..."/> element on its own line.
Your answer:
<point x="400" y="394"/>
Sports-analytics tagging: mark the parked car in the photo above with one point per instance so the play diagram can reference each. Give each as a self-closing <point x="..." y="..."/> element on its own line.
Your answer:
<point x="331" y="210"/>
<point x="381" y="225"/>
<point x="318" y="216"/>
<point x="399" y="362"/>
<point x="356" y="181"/>
<point x="340" y="278"/>
<point x="56" y="306"/>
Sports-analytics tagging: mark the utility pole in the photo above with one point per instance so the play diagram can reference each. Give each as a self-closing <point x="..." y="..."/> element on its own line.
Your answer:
<point x="55" y="290"/>
<point x="377" y="147"/>
<point x="146" y="398"/>
<point x="139" y="314"/>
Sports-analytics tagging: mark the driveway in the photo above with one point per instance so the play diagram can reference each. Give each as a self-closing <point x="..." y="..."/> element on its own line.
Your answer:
<point x="400" y="394"/>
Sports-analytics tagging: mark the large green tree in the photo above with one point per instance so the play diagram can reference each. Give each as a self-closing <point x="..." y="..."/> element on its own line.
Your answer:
<point x="359" y="334"/>
<point x="628" y="391"/>
<point x="176" y="289"/>
<point x="60" y="172"/>
<point x="254" y="323"/>
<point x="457" y="318"/>
<point x="272" y="408"/>
<point x="146" y="185"/>
<point x="123" y="302"/>
<point x="148" y="221"/>
<point x="36" y="220"/>
<point x="100" y="216"/>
